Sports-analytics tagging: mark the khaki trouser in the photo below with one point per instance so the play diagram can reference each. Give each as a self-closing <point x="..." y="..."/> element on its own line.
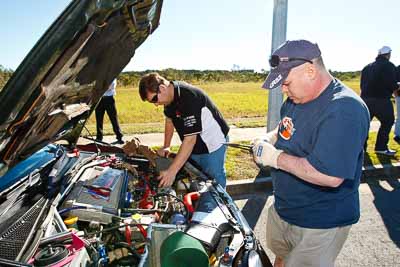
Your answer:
<point x="299" y="246"/>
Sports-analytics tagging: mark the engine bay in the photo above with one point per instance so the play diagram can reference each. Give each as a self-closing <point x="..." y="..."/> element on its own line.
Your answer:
<point x="109" y="211"/>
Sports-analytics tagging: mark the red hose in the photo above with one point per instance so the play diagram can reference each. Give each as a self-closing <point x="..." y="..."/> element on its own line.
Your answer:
<point x="142" y="230"/>
<point x="188" y="200"/>
<point x="128" y="234"/>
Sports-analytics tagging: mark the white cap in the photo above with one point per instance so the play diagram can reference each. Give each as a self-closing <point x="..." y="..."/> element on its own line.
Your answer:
<point x="384" y="50"/>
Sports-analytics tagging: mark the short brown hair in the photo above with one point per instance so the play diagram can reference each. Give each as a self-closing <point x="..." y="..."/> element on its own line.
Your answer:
<point x="150" y="83"/>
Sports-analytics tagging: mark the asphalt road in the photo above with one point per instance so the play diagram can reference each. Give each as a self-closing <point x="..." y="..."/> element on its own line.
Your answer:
<point x="373" y="241"/>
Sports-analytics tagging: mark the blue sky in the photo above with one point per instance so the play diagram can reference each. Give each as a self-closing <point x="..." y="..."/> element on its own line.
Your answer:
<point x="216" y="34"/>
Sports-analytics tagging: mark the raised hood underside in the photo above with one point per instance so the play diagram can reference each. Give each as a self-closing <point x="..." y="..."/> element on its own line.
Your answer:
<point x="54" y="90"/>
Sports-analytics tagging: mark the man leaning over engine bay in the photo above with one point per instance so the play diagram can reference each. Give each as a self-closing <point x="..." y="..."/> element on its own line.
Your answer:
<point x="198" y="122"/>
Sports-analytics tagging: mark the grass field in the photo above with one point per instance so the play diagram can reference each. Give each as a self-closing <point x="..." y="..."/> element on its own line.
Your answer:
<point x="354" y="84"/>
<point x="240" y="165"/>
<point x="233" y="99"/>
<point x="242" y="104"/>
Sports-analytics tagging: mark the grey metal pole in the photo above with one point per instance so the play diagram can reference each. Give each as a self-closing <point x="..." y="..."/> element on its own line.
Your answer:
<point x="278" y="37"/>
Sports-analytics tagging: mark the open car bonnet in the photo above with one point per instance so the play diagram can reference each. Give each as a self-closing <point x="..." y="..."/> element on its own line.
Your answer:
<point x="57" y="86"/>
<point x="99" y="205"/>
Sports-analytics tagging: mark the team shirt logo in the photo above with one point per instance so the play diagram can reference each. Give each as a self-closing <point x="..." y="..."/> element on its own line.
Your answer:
<point x="189" y="121"/>
<point x="286" y="128"/>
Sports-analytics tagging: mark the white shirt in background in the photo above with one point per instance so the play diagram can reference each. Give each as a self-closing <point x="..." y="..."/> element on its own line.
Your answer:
<point x="111" y="89"/>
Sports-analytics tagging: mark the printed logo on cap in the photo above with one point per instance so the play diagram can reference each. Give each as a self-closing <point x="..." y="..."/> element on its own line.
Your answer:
<point x="275" y="81"/>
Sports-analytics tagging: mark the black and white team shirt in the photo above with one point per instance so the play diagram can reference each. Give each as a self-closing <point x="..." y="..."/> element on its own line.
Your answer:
<point x="193" y="112"/>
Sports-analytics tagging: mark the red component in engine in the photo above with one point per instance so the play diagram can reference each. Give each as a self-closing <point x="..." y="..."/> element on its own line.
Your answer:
<point x="142" y="230"/>
<point x="128" y="234"/>
<point x="76" y="152"/>
<point x="188" y="200"/>
<point x="72" y="256"/>
<point x="140" y="250"/>
<point x="112" y="158"/>
<point x="105" y="164"/>
<point x="147" y="201"/>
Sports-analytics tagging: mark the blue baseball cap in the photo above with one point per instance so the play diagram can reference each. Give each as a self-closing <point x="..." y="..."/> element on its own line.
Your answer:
<point x="287" y="56"/>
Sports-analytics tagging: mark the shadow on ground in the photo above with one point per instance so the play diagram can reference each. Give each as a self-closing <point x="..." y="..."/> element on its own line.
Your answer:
<point x="385" y="187"/>
<point x="255" y="203"/>
<point x="386" y="191"/>
<point x="253" y="208"/>
<point x="383" y="183"/>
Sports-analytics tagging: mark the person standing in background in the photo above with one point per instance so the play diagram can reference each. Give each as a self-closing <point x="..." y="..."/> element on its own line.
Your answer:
<point x="397" y="100"/>
<point x="378" y="84"/>
<point x="107" y="104"/>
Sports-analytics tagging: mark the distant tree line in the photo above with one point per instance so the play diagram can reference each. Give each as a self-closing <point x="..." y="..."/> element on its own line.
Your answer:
<point x="131" y="78"/>
<point x="195" y="76"/>
<point x="346" y="76"/>
<point x="5" y="74"/>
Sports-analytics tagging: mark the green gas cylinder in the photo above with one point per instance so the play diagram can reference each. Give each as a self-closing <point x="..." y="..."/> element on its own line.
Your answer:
<point x="182" y="250"/>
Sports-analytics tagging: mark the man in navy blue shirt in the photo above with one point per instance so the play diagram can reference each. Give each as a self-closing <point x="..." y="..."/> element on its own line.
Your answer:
<point x="315" y="155"/>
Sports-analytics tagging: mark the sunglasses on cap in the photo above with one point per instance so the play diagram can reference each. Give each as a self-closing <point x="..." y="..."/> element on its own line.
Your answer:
<point x="275" y="60"/>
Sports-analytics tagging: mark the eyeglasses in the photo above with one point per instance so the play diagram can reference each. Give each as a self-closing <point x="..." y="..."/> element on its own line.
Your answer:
<point x="275" y="60"/>
<point x="154" y="99"/>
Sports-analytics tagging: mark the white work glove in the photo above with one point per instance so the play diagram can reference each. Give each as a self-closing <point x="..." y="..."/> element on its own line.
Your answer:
<point x="265" y="154"/>
<point x="270" y="137"/>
